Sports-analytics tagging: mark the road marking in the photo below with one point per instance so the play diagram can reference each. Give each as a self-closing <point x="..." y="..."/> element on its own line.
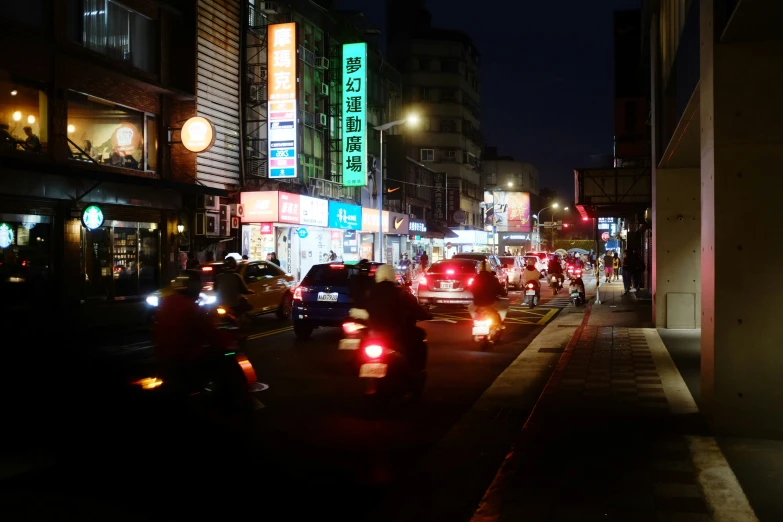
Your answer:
<point x="270" y="332"/>
<point x="549" y="315"/>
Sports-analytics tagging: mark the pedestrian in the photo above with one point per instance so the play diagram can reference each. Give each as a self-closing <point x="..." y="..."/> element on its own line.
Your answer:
<point x="608" y="267"/>
<point x="627" y="271"/>
<point x="616" y="266"/>
<point x="425" y="261"/>
<point x="273" y="258"/>
<point x="638" y="271"/>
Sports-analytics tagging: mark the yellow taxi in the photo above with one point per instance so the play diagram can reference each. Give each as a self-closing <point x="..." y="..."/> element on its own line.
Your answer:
<point x="273" y="288"/>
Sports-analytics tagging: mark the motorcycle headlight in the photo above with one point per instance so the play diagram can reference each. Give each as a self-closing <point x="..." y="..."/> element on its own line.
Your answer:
<point x="205" y="300"/>
<point x="152" y="300"/>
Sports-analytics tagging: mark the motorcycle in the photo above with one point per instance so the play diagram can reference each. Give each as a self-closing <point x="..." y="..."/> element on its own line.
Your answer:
<point x="487" y="327"/>
<point x="555" y="284"/>
<point x="532" y="293"/>
<point x="389" y="372"/>
<point x="576" y="288"/>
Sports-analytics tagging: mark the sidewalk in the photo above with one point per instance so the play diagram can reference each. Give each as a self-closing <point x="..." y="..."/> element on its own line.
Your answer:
<point x="615" y="436"/>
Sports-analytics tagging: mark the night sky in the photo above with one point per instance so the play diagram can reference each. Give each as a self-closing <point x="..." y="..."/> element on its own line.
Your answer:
<point x="547" y="66"/>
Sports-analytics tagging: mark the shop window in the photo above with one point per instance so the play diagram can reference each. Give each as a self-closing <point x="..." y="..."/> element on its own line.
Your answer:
<point x="427" y="155"/>
<point x="110" y="28"/>
<point x="25" y="257"/>
<point x="23" y="116"/>
<point x="108" y="134"/>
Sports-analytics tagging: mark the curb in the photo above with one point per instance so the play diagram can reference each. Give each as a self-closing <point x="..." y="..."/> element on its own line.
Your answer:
<point x="486" y="511"/>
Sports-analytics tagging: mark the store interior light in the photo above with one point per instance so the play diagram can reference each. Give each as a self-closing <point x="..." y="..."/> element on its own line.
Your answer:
<point x="180" y="228"/>
<point x="71" y="128"/>
<point x="14" y="92"/>
<point x="31" y="119"/>
<point x="17" y="116"/>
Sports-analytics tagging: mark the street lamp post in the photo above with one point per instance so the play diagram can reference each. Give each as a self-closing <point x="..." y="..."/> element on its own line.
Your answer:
<point x="537" y="244"/>
<point x="379" y="181"/>
<point x="553" y="225"/>
<point x="540" y="213"/>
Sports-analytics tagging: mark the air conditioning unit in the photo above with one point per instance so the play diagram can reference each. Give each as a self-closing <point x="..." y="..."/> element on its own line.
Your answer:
<point x="322" y="62"/>
<point x="224" y="215"/>
<point x="268" y="7"/>
<point x="225" y="227"/>
<point x="200" y="224"/>
<point x="322" y="119"/>
<point x="209" y="202"/>
<point x="324" y="89"/>
<point x="237" y="210"/>
<point x="257" y="93"/>
<point x="213" y="224"/>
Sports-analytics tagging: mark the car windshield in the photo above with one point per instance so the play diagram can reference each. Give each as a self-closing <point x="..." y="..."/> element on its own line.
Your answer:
<point x="459" y="266"/>
<point x="332" y="275"/>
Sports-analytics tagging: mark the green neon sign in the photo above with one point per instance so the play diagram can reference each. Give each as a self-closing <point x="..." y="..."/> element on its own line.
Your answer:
<point x="6" y="235"/>
<point x="92" y="217"/>
<point x="354" y="114"/>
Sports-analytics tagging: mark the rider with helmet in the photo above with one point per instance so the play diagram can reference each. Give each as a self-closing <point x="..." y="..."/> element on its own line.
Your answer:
<point x="395" y="312"/>
<point x="487" y="292"/>
<point x="231" y="288"/>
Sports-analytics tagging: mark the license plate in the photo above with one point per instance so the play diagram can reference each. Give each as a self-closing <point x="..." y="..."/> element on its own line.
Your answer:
<point x="349" y="344"/>
<point x="328" y="297"/>
<point x="447" y="286"/>
<point x="575" y="294"/>
<point x="530" y="292"/>
<point x="481" y="330"/>
<point x="373" y="370"/>
<point x="452" y="301"/>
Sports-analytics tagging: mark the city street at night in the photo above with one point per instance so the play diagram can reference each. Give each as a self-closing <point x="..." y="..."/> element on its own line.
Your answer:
<point x="315" y="432"/>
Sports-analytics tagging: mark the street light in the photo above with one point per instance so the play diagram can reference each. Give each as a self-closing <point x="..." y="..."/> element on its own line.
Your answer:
<point x="553" y="225"/>
<point x="414" y="119"/>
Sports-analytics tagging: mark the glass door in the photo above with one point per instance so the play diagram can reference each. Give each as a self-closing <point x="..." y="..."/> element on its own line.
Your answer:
<point x="149" y="269"/>
<point x="96" y="248"/>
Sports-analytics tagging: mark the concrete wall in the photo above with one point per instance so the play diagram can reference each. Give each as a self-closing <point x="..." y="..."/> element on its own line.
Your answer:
<point x="677" y="248"/>
<point x="741" y="141"/>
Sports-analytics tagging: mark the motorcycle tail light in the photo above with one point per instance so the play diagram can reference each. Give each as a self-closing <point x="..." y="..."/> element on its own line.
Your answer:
<point x="373" y="351"/>
<point x="530" y="285"/>
<point x="351" y="328"/>
<point x="422" y="280"/>
<point x="470" y="281"/>
<point x="220" y="310"/>
<point x="482" y="322"/>
<point x="298" y="293"/>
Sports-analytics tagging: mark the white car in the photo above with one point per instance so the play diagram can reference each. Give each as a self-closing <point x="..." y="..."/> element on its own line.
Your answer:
<point x="541" y="264"/>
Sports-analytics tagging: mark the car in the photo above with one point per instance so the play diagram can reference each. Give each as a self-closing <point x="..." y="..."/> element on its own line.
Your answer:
<point x="273" y="288"/>
<point x="494" y="263"/>
<point x="543" y="261"/>
<point x="448" y="282"/>
<point x="513" y="267"/>
<point x="323" y="299"/>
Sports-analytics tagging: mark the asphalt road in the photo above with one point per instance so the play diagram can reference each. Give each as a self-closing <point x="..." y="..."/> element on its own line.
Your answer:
<point x="314" y="450"/>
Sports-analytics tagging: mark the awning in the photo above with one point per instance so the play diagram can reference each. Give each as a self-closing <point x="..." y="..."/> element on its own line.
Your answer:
<point x="435" y="231"/>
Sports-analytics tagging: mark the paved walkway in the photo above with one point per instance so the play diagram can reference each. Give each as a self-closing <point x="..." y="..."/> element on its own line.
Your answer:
<point x="615" y="436"/>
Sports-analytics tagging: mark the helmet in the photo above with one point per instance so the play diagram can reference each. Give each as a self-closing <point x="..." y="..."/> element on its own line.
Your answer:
<point x="231" y="263"/>
<point x="385" y="273"/>
<point x="484" y="266"/>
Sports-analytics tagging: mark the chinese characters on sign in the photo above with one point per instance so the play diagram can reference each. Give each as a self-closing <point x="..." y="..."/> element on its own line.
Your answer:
<point x="289" y="208"/>
<point x="355" y="115"/>
<point x="282" y="87"/>
<point x="439" y="194"/>
<point x="452" y="197"/>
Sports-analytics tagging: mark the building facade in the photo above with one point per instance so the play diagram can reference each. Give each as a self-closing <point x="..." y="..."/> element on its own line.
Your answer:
<point x="504" y="172"/>
<point x="441" y="79"/>
<point x="717" y="142"/>
<point x="97" y="190"/>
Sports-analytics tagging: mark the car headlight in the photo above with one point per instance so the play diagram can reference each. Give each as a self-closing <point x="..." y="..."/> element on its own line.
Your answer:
<point x="152" y="300"/>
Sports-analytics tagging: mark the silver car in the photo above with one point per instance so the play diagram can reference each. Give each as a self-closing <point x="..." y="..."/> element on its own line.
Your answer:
<point x="448" y="282"/>
<point x="513" y="267"/>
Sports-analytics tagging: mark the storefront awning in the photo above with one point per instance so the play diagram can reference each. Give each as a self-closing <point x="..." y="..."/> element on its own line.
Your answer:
<point x="435" y="231"/>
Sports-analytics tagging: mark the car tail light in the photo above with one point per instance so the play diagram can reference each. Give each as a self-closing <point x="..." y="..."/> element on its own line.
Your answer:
<point x="450" y="272"/>
<point x="206" y="268"/>
<point x="422" y="280"/>
<point x="351" y="328"/>
<point x="298" y="293"/>
<point x="373" y="351"/>
<point x="337" y="266"/>
<point x="470" y="281"/>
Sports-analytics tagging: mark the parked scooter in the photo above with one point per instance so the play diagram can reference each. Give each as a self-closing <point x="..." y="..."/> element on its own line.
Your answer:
<point x="532" y="293"/>
<point x="487" y="327"/>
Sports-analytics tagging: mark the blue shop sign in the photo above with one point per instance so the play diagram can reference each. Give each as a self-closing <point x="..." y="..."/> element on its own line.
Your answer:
<point x="345" y="217"/>
<point x="302" y="232"/>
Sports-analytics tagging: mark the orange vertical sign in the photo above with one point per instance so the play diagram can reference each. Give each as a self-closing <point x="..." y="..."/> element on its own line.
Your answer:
<point x="281" y="62"/>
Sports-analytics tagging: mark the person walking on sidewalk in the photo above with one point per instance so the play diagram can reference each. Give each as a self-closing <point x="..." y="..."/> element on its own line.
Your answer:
<point x="638" y="270"/>
<point x="608" y="267"/>
<point x="616" y="266"/>
<point x="627" y="270"/>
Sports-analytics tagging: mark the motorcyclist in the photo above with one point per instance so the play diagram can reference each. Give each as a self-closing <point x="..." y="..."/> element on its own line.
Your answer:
<point x="556" y="269"/>
<point x="231" y="288"/>
<point x="487" y="292"/>
<point x="394" y="312"/>
<point x="183" y="336"/>
<point x="404" y="267"/>
<point x="361" y="283"/>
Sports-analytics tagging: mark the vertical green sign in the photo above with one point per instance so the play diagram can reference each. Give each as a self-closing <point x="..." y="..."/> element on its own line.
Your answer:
<point x="354" y="114"/>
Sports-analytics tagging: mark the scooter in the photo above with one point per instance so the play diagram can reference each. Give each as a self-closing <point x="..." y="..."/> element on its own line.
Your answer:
<point x="487" y="327"/>
<point x="388" y="372"/>
<point x="576" y="288"/>
<point x="555" y="284"/>
<point x="532" y="293"/>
